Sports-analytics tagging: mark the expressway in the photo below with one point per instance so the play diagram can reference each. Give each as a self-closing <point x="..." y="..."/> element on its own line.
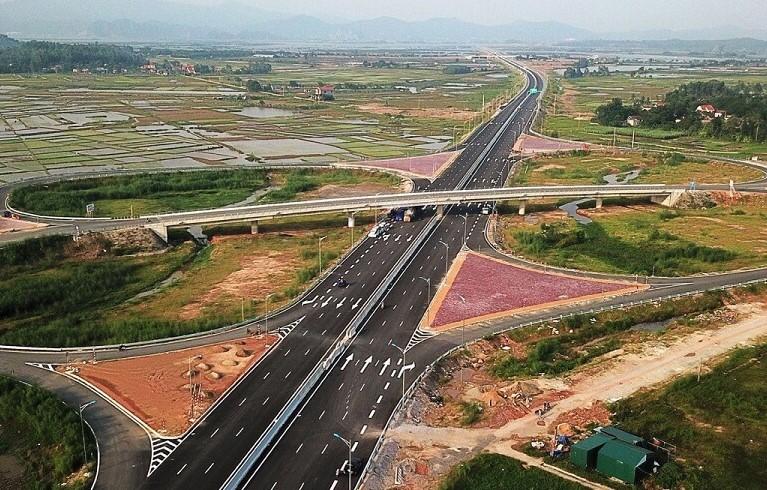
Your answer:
<point x="215" y="448"/>
<point x="358" y="393"/>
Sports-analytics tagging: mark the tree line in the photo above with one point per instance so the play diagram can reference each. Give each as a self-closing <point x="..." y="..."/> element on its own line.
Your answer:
<point x="741" y="111"/>
<point x="44" y="56"/>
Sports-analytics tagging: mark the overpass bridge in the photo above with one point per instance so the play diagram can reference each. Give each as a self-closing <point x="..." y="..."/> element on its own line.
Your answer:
<point x="253" y="214"/>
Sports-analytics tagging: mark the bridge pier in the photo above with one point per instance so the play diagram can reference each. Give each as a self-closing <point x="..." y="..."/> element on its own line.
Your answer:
<point x="599" y="203"/>
<point x="254" y="227"/>
<point x="160" y="230"/>
<point x="440" y="210"/>
<point x="350" y="220"/>
<point x="522" y="205"/>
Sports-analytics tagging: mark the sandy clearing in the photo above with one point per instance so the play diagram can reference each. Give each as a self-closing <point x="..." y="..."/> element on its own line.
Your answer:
<point x="648" y="364"/>
<point x="8" y="225"/>
<point x="156" y="388"/>
<point x="257" y="273"/>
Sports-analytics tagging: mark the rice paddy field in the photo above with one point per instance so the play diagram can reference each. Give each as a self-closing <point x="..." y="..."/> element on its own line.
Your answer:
<point x="570" y="105"/>
<point x="68" y="123"/>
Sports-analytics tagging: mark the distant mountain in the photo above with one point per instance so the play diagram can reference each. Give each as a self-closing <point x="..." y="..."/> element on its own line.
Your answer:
<point x="168" y="21"/>
<point x="709" y="34"/>
<point x="717" y="48"/>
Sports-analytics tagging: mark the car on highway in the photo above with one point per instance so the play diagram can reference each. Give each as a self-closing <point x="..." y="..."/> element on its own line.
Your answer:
<point x="485" y="209"/>
<point x="341" y="283"/>
<point x="356" y="467"/>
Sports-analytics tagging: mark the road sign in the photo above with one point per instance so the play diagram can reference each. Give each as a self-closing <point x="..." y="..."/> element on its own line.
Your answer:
<point x="90" y="208"/>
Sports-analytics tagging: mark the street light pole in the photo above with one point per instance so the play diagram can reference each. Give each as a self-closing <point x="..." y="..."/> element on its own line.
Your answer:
<point x="82" y="428"/>
<point x="319" y="251"/>
<point x="447" y="253"/>
<point x="267" y="312"/>
<point x="349" y="445"/>
<point x="428" y="300"/>
<point x="404" y="361"/>
<point x="465" y="227"/>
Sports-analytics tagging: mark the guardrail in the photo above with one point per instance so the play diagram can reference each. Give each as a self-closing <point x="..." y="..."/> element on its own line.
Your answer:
<point x="351" y="332"/>
<point x="430" y="368"/>
<point x="334" y="352"/>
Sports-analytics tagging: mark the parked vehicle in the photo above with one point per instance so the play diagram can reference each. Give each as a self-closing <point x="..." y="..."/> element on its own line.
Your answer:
<point x="355" y="467"/>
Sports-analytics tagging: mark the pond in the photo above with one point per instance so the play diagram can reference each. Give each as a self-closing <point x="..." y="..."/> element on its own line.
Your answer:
<point x="264" y="112"/>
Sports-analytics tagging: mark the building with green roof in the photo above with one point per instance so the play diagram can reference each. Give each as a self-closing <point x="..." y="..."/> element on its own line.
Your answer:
<point x="624" y="461"/>
<point x="614" y="453"/>
<point x="584" y="453"/>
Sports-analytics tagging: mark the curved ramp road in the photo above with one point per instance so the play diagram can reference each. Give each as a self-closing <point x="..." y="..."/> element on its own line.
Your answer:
<point x="215" y="449"/>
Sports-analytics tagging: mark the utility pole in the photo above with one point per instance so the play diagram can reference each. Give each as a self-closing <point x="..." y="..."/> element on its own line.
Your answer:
<point x="319" y="251"/>
<point x="465" y="228"/>
<point x="463" y="335"/>
<point x="267" y="312"/>
<point x="447" y="253"/>
<point x="633" y="138"/>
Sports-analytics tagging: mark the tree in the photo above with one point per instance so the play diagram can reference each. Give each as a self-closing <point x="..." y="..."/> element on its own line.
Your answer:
<point x="614" y="113"/>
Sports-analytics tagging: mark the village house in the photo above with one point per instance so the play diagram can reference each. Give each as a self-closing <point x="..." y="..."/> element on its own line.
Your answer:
<point x="633" y="121"/>
<point x="324" y="92"/>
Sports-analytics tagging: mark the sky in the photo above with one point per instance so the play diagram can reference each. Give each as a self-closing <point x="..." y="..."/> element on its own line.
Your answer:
<point x="596" y="15"/>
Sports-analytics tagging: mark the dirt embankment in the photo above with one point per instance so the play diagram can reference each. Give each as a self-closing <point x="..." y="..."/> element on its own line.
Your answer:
<point x="163" y="391"/>
<point x="422" y="447"/>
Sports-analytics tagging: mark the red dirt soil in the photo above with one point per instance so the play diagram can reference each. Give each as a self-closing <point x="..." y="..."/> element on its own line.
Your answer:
<point x="426" y="166"/>
<point x="492" y="287"/>
<point x="156" y="388"/>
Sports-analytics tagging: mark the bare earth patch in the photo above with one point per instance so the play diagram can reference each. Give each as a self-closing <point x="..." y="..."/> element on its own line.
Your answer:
<point x="8" y="225"/>
<point x="432" y="437"/>
<point x="332" y="191"/>
<point x="423" y="166"/>
<point x="469" y="296"/>
<point x="528" y="145"/>
<point x="445" y="113"/>
<point x="257" y="273"/>
<point x="156" y="388"/>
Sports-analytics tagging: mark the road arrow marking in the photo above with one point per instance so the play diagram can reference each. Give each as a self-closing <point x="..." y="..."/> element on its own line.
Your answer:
<point x="340" y="303"/>
<point x="347" y="361"/>
<point x="406" y="367"/>
<point x="386" y="364"/>
<point x="367" y="363"/>
<point x="356" y="304"/>
<point x="310" y="301"/>
<point x="327" y="302"/>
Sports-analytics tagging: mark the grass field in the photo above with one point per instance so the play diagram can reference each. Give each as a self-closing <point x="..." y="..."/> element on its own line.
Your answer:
<point x="591" y="168"/>
<point x="40" y="439"/>
<point x="142" y="121"/>
<point x="577" y="99"/>
<point x="57" y="294"/>
<point x="494" y="471"/>
<point x="137" y="195"/>
<point x="642" y="239"/>
<point x="718" y="424"/>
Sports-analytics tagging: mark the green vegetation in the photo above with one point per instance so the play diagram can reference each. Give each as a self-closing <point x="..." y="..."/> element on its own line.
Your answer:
<point x="42" y="435"/>
<point x="472" y="412"/>
<point x="717" y="424"/>
<point x="53" y="298"/>
<point x="42" y="56"/>
<point x="494" y="471"/>
<point x="56" y="292"/>
<point x="643" y="240"/>
<point x="571" y="105"/>
<point x="591" y="339"/>
<point x="180" y="191"/>
<point x="145" y="193"/>
<point x="589" y="168"/>
<point x="743" y="107"/>
<point x="660" y="252"/>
